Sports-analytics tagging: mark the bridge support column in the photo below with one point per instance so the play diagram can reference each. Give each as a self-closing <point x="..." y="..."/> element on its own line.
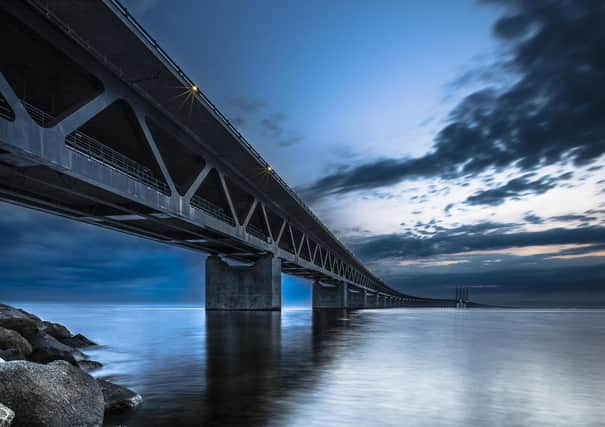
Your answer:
<point x="329" y="296"/>
<point x="255" y="287"/>
<point x="355" y="298"/>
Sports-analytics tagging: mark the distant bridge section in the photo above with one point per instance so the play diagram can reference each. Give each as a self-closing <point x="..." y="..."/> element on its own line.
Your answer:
<point x="98" y="124"/>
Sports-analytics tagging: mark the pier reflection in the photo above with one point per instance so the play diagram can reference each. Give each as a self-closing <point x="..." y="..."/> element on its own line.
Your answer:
<point x="256" y="360"/>
<point x="244" y="368"/>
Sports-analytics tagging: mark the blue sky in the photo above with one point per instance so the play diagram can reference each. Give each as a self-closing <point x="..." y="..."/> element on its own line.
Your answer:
<point x="447" y="143"/>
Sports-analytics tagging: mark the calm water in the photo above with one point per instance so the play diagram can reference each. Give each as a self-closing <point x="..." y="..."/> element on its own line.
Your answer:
<point x="366" y="368"/>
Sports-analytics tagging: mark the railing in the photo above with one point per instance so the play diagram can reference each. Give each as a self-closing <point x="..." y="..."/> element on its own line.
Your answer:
<point x="189" y="83"/>
<point x="41" y="117"/>
<point x="5" y="109"/>
<point x="96" y="150"/>
<point x="212" y="209"/>
<point x="256" y="232"/>
<point x="92" y="148"/>
<point x="210" y="105"/>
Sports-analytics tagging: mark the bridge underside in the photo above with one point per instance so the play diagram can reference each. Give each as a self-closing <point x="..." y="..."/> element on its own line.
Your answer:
<point x="133" y="147"/>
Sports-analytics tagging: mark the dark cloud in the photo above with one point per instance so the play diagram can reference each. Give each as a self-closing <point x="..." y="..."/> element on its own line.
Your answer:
<point x="562" y="286"/>
<point x="467" y="238"/>
<point x="247" y="105"/>
<point x="46" y="257"/>
<point x="273" y="124"/>
<point x="570" y="218"/>
<point x="253" y="112"/>
<point x="516" y="189"/>
<point x="243" y="108"/>
<point x="532" y="218"/>
<point x="289" y="141"/>
<point x="551" y="112"/>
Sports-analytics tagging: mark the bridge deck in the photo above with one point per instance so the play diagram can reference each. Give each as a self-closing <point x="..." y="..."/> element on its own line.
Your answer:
<point x="104" y="127"/>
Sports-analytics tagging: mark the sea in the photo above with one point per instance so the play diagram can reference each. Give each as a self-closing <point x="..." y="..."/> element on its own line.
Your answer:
<point x="387" y="367"/>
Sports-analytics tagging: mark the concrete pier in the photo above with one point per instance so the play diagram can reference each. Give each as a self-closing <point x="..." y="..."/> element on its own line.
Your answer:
<point x="255" y="287"/>
<point x="355" y="298"/>
<point x="330" y="296"/>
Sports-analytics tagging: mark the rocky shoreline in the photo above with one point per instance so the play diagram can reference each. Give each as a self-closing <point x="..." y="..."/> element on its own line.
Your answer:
<point x="44" y="376"/>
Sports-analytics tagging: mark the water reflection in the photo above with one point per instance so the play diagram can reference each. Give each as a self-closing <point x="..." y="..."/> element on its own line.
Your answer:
<point x="242" y="366"/>
<point x="378" y="367"/>
<point x="251" y="362"/>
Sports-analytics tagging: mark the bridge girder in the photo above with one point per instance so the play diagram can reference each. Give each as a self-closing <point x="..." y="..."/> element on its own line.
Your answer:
<point x="152" y="174"/>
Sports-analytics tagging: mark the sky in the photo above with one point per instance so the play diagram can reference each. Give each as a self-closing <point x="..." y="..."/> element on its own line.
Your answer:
<point x="446" y="143"/>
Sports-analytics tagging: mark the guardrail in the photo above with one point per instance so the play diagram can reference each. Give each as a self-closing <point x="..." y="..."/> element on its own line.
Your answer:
<point x="92" y="148"/>
<point x="96" y="150"/>
<point x="41" y="117"/>
<point x="225" y="121"/>
<point x="5" y="109"/>
<point x="189" y="83"/>
<point x="209" y="207"/>
<point x="256" y="232"/>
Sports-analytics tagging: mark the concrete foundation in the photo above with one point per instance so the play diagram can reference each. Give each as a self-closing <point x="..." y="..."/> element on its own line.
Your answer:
<point x="329" y="296"/>
<point x="370" y="299"/>
<point x="255" y="287"/>
<point x="355" y="298"/>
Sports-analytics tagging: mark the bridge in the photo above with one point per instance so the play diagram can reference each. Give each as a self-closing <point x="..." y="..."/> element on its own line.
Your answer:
<point x="99" y="124"/>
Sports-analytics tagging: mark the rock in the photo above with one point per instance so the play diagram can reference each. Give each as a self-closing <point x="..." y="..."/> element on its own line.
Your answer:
<point x="11" y="354"/>
<point x="56" y="330"/>
<point x="78" y="341"/>
<point x="18" y="320"/>
<point x="118" y="398"/>
<point x="6" y="416"/>
<point x="30" y="315"/>
<point x="54" y="395"/>
<point x="13" y="339"/>
<point x="89" y="365"/>
<point x="47" y="348"/>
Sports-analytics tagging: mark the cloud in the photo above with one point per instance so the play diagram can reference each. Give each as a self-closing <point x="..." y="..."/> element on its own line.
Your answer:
<point x="76" y="261"/>
<point x="432" y="263"/>
<point x="468" y="239"/>
<point x="571" y="218"/>
<point x="516" y="189"/>
<point x="532" y="218"/>
<point x="247" y="105"/>
<point x="554" y="286"/>
<point x="591" y="254"/>
<point x="273" y="124"/>
<point x="550" y="112"/>
<point x="253" y="112"/>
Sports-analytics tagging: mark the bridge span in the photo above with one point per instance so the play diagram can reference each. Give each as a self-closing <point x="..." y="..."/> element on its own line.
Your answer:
<point x="99" y="124"/>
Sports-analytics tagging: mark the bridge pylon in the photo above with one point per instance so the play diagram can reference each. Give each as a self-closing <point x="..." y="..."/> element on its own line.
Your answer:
<point x="254" y="287"/>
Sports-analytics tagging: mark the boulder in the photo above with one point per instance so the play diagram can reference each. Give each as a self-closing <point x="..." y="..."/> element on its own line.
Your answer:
<point x="18" y="320"/>
<point x="6" y="416"/>
<point x="53" y="395"/>
<point x="78" y="341"/>
<point x="118" y="398"/>
<point x="30" y="315"/>
<point x="13" y="339"/>
<point x="89" y="365"/>
<point x="47" y="348"/>
<point x="11" y="354"/>
<point x="56" y="330"/>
